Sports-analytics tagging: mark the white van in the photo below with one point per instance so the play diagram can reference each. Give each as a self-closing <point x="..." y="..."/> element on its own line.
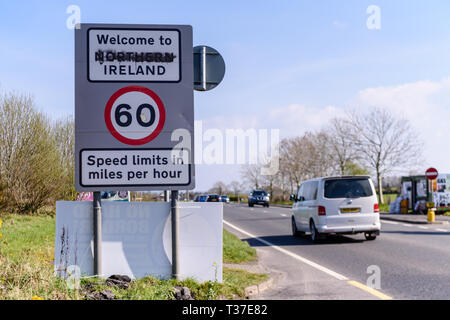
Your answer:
<point x="336" y="205"/>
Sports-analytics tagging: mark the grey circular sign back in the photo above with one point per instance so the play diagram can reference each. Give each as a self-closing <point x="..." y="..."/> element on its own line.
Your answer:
<point x="209" y="68"/>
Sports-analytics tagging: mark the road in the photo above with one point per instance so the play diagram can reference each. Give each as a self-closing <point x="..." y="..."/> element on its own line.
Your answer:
<point x="413" y="260"/>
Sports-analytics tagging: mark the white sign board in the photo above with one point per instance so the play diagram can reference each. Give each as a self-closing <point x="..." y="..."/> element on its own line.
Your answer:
<point x="136" y="239"/>
<point x="134" y="98"/>
<point x="134" y="55"/>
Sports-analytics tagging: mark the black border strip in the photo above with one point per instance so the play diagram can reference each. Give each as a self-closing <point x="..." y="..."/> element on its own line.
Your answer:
<point x="135" y="81"/>
<point x="131" y="185"/>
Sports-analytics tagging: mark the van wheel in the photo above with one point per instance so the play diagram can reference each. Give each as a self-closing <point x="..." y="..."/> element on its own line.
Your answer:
<point x="315" y="235"/>
<point x="370" y="236"/>
<point x="295" y="231"/>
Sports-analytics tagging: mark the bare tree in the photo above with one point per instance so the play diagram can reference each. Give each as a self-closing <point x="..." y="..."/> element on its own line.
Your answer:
<point x="305" y="157"/>
<point x="251" y="175"/>
<point x="235" y="187"/>
<point x="64" y="135"/>
<point x="341" y="145"/>
<point x="385" y="142"/>
<point x="219" y="187"/>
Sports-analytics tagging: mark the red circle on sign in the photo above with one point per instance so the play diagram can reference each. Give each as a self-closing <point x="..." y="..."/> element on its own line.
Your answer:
<point x="431" y="174"/>
<point x="116" y="134"/>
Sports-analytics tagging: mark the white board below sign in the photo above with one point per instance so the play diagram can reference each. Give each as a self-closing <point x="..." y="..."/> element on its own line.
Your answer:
<point x="136" y="239"/>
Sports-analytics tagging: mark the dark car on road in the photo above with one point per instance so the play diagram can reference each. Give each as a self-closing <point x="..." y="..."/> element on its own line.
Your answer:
<point x="258" y="197"/>
<point x="213" y="198"/>
<point x="201" y="198"/>
<point x="224" y="199"/>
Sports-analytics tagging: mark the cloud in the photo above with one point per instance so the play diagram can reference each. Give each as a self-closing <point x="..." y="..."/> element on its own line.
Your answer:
<point x="292" y="120"/>
<point x="339" y="24"/>
<point x="426" y="105"/>
<point x="295" y="119"/>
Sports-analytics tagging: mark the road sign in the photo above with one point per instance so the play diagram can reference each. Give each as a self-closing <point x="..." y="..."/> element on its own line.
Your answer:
<point x="209" y="68"/>
<point x="134" y="107"/>
<point x="431" y="174"/>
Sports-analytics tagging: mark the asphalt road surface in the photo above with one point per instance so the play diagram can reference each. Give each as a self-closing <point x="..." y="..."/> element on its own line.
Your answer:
<point x="410" y="261"/>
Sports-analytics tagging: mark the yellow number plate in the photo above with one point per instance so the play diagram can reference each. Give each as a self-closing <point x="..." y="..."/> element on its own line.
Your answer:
<point x="349" y="210"/>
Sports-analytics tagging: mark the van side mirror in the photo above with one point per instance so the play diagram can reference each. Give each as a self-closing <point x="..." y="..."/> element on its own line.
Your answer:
<point x="292" y="197"/>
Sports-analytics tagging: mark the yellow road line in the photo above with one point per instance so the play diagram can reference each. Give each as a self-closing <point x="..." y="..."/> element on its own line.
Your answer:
<point x="336" y="275"/>
<point x="370" y="290"/>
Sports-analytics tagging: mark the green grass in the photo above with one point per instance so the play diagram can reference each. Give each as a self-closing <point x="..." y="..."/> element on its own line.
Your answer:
<point x="388" y="198"/>
<point x="150" y="288"/>
<point x="26" y="267"/>
<point x="30" y="235"/>
<point x="384" y="207"/>
<point x="235" y="250"/>
<point x="289" y="203"/>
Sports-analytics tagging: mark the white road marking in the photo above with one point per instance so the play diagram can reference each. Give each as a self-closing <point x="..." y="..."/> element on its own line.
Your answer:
<point x="389" y="222"/>
<point x="293" y="255"/>
<point x="283" y="215"/>
<point x="411" y="225"/>
<point x="407" y="225"/>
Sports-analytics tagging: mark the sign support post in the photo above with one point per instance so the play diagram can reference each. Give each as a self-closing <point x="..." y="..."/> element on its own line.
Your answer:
<point x="175" y="235"/>
<point x="166" y="196"/>
<point x="97" y="206"/>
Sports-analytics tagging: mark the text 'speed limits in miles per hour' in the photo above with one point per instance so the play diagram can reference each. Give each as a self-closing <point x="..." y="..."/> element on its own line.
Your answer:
<point x="116" y="167"/>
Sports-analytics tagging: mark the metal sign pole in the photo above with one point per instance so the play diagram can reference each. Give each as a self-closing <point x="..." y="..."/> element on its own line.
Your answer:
<point x="97" y="206"/>
<point x="175" y="235"/>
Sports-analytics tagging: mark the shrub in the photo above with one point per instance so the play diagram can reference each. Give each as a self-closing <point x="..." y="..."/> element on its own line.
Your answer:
<point x="30" y="168"/>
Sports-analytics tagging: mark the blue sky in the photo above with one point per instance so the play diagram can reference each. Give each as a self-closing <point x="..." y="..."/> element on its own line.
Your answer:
<point x="312" y="55"/>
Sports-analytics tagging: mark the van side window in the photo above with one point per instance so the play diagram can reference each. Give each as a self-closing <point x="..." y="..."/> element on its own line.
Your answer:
<point x="300" y="191"/>
<point x="314" y="190"/>
<point x="307" y="191"/>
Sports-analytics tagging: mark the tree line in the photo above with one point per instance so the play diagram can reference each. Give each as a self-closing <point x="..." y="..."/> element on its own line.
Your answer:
<point x="37" y="155"/>
<point x="374" y="142"/>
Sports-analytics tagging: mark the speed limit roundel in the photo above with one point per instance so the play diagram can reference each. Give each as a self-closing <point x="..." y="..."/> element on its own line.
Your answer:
<point x="135" y="115"/>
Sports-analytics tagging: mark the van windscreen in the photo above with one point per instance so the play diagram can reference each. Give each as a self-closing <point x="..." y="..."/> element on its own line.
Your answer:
<point x="347" y="188"/>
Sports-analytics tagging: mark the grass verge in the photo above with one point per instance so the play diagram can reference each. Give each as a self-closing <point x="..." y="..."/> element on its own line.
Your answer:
<point x="235" y="250"/>
<point x="26" y="260"/>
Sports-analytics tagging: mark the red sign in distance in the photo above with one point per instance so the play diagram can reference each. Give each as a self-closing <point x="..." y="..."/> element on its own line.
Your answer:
<point x="431" y="174"/>
<point x="135" y="115"/>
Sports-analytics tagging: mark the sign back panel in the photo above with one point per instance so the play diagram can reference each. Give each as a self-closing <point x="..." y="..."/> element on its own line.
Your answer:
<point x="134" y="107"/>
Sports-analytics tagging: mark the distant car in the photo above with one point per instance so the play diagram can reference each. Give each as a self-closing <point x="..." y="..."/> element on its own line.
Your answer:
<point x="224" y="199"/>
<point x="201" y="198"/>
<point x="258" y="197"/>
<point x="213" y="198"/>
<point x="336" y="205"/>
